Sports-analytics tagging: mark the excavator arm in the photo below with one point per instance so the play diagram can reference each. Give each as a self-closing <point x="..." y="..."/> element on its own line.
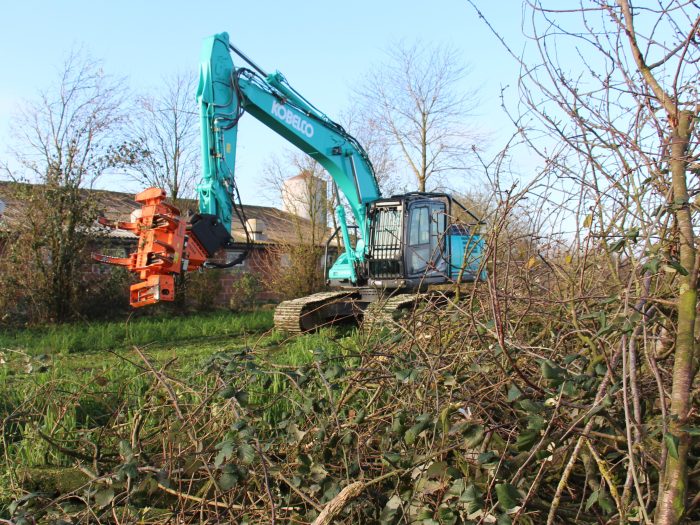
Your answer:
<point x="226" y="92"/>
<point x="169" y="246"/>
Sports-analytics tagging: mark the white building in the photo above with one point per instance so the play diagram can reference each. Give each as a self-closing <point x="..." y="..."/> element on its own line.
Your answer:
<point x="305" y="196"/>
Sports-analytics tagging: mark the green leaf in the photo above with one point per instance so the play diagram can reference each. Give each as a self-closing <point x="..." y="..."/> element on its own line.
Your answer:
<point x="672" y="443"/>
<point x="225" y="452"/>
<point x="536" y="422"/>
<point x="128" y="469"/>
<point x="447" y="516"/>
<point x="390" y="509"/>
<point x="228" y="392"/>
<point x="532" y="407"/>
<point x="487" y="458"/>
<point x="104" y="497"/>
<point x="334" y="371"/>
<point x="551" y="371"/>
<point x="504" y="519"/>
<point x="228" y="480"/>
<point x="473" y="435"/>
<point x="527" y="439"/>
<point x="125" y="450"/>
<point x="411" y="434"/>
<point x="318" y="473"/>
<point x="618" y="245"/>
<point x="242" y="397"/>
<point x="652" y="265"/>
<point x="407" y="375"/>
<point x="436" y="470"/>
<point x="605" y="503"/>
<point x="393" y="458"/>
<point x="423" y="422"/>
<point x="693" y="431"/>
<point x="246" y="453"/>
<point x="508" y="496"/>
<point x="514" y="393"/>
<point x="473" y="498"/>
<point x="678" y="267"/>
<point x="592" y="499"/>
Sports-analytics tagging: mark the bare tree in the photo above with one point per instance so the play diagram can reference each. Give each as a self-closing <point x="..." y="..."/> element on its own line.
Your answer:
<point x="165" y="137"/>
<point x="295" y="267"/>
<point x="415" y="100"/>
<point x="64" y="141"/>
<point x="614" y="88"/>
<point x="377" y="145"/>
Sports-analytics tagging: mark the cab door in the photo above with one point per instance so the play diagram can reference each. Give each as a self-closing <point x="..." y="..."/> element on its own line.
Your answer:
<point x="425" y="257"/>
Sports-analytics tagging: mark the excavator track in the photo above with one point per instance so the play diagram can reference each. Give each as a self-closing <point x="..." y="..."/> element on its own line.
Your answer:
<point x="307" y="313"/>
<point x="385" y="312"/>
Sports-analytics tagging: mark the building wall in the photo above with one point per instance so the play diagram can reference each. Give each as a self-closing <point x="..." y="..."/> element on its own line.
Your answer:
<point x="306" y="197"/>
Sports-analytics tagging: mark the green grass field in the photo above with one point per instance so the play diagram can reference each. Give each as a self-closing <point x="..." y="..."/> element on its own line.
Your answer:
<point x="79" y="338"/>
<point x="61" y="385"/>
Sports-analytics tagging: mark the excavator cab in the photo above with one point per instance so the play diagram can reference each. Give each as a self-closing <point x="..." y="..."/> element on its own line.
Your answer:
<point x="419" y="239"/>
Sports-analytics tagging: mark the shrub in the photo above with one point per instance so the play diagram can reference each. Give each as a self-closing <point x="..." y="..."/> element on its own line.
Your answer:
<point x="244" y="292"/>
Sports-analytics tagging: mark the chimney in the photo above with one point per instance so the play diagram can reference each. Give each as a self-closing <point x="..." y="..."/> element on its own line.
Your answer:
<point x="256" y="227"/>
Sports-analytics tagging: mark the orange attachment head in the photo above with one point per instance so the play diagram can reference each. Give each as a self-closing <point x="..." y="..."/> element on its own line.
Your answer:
<point x="155" y="288"/>
<point x="161" y="244"/>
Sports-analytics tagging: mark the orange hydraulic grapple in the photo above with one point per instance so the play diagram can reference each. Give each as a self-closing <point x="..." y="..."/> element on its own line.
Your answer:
<point x="167" y="246"/>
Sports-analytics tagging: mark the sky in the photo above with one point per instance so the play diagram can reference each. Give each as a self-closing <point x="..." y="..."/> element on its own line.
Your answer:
<point x="323" y="48"/>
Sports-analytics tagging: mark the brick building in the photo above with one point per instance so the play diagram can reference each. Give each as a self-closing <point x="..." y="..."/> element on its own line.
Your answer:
<point x="271" y="230"/>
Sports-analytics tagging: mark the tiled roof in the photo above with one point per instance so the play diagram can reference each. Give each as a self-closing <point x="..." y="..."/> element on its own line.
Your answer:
<point x="280" y="226"/>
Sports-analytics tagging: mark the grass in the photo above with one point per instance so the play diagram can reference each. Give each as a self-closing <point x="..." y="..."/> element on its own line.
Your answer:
<point x="71" y="382"/>
<point x="64" y="381"/>
<point x="101" y="336"/>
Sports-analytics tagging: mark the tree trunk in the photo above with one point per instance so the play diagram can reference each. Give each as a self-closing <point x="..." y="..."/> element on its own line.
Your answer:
<point x="673" y="489"/>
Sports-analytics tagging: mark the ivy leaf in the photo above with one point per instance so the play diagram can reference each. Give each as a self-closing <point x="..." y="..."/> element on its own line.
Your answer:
<point x="393" y="458"/>
<point x="532" y="407"/>
<point x="447" y="516"/>
<point x="407" y="375"/>
<point x="487" y="458"/>
<point x="411" y="434"/>
<point x="652" y="265"/>
<point x="228" y="392"/>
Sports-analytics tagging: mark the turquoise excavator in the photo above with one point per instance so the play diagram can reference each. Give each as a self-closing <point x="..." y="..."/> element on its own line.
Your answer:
<point x="394" y="251"/>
